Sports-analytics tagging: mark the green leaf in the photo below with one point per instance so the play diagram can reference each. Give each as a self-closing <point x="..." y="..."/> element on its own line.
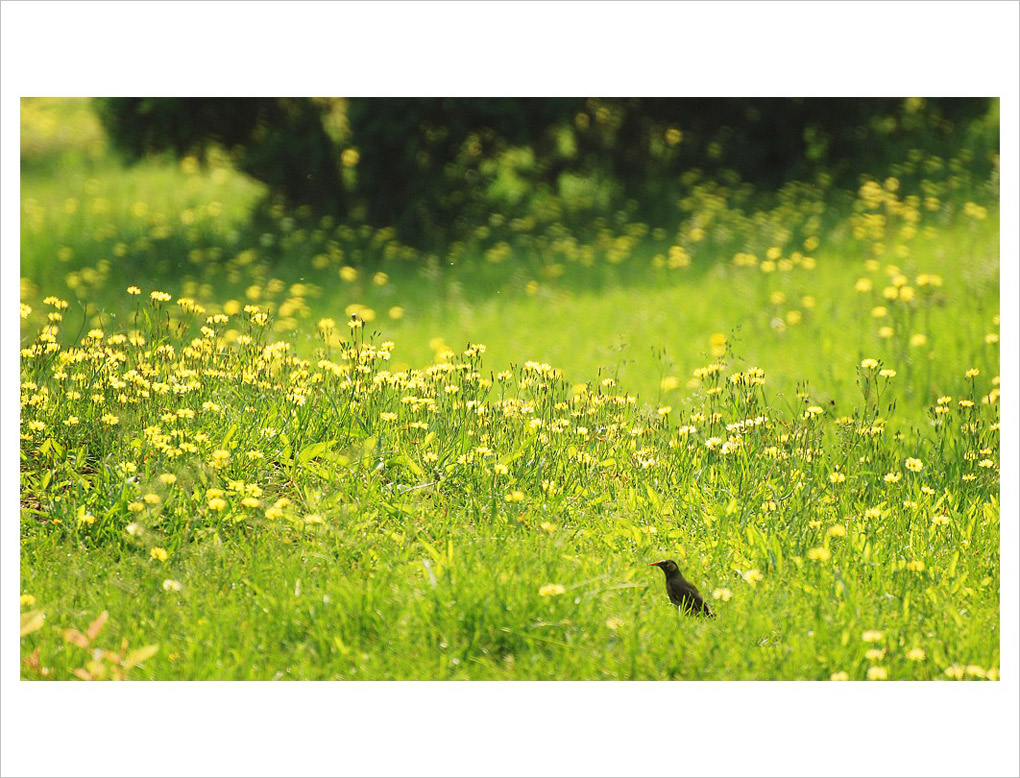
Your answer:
<point x="433" y="551"/>
<point x="321" y="472"/>
<point x="314" y="450"/>
<point x="953" y="561"/>
<point x="225" y="443"/>
<point x="653" y="498"/>
<point x="259" y="592"/>
<point x="410" y="464"/>
<point x="955" y="587"/>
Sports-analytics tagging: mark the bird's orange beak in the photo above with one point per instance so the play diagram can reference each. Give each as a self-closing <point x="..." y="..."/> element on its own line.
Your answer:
<point x="654" y="564"/>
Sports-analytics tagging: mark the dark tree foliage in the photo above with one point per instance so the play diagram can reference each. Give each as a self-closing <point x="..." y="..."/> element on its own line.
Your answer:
<point x="421" y="157"/>
<point x="425" y="163"/>
<point x="280" y="141"/>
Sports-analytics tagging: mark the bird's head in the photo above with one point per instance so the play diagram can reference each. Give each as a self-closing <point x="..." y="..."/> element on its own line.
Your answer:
<point x="667" y="566"/>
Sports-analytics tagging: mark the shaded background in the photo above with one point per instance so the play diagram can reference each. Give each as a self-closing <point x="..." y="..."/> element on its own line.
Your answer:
<point x="434" y="168"/>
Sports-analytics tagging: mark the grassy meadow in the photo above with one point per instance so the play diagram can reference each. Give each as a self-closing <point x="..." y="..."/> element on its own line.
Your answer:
<point x="285" y="448"/>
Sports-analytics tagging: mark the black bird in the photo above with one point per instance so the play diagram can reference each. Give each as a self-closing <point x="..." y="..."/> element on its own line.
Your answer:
<point x="682" y="593"/>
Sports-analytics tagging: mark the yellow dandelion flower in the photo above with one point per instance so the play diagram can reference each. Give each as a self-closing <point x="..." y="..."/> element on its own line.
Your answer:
<point x="877" y="674"/>
<point x="819" y="554"/>
<point x="552" y="590"/>
<point x="752" y="576"/>
<point x="669" y="383"/>
<point x="917" y="655"/>
<point x="159" y="554"/>
<point x="842" y="675"/>
<point x="914" y="465"/>
<point x="350" y="157"/>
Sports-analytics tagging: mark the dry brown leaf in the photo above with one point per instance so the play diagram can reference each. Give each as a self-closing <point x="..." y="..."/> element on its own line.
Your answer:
<point x="139" y="655"/>
<point x="31" y="621"/>
<point x="74" y="636"/>
<point x="97" y="625"/>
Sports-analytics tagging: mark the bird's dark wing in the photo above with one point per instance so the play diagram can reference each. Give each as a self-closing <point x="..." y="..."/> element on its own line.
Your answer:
<point x="689" y="599"/>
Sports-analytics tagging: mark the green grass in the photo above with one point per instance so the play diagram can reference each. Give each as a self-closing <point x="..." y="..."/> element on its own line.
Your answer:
<point x="510" y="538"/>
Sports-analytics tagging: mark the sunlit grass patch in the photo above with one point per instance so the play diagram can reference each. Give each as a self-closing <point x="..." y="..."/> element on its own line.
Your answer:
<point x="279" y="450"/>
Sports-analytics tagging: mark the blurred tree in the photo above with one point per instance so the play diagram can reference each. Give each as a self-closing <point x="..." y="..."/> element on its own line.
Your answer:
<point x="421" y="157"/>
<point x="280" y="141"/>
<point x="429" y="166"/>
